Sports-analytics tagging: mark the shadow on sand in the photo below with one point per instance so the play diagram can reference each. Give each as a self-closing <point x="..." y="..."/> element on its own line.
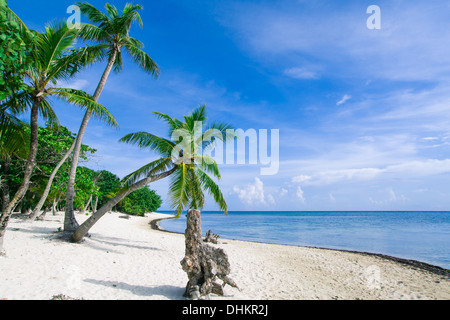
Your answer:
<point x="170" y="292"/>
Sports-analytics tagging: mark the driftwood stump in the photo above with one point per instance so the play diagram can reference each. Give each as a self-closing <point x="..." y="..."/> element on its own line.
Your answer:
<point x="202" y="262"/>
<point x="212" y="237"/>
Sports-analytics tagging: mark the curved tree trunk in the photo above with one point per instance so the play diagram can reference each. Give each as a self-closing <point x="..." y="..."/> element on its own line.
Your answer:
<point x="94" y="205"/>
<point x="34" y="127"/>
<point x="89" y="223"/>
<point x="49" y="184"/>
<point x="54" y="206"/>
<point x="42" y="216"/>
<point x="4" y="170"/>
<point x="202" y="262"/>
<point x="86" y="206"/>
<point x="70" y="223"/>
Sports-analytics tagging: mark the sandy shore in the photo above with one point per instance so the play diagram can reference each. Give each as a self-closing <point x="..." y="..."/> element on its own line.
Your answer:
<point x="125" y="259"/>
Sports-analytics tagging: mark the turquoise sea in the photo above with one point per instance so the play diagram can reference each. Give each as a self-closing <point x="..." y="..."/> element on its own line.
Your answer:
<point x="422" y="236"/>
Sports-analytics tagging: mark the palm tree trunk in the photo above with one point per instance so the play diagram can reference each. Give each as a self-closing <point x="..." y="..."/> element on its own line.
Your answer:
<point x="94" y="207"/>
<point x="70" y="223"/>
<point x="54" y="206"/>
<point x="49" y="184"/>
<point x="86" y="206"/>
<point x="34" y="127"/>
<point x="42" y="216"/>
<point x="89" y="223"/>
<point x="5" y="166"/>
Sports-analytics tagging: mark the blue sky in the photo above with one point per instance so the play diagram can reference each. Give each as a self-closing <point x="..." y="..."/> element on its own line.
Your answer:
<point x="363" y="114"/>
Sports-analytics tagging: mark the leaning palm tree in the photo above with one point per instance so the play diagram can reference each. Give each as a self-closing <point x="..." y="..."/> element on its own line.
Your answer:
<point x="182" y="158"/>
<point x="112" y="33"/>
<point x="54" y="59"/>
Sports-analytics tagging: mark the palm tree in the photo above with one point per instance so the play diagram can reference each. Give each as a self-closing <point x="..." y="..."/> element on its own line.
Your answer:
<point x="53" y="60"/>
<point x="112" y="33"/>
<point x="13" y="142"/>
<point x="183" y="161"/>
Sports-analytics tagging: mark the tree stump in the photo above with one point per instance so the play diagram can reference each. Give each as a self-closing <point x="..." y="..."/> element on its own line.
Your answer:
<point x="203" y="263"/>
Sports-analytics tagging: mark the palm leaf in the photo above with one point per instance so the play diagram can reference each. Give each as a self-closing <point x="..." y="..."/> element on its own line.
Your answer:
<point x="67" y="66"/>
<point x="179" y="197"/>
<point x="194" y="189"/>
<point x="142" y="59"/>
<point x="13" y="139"/>
<point x="112" y="11"/>
<point x="18" y="103"/>
<point x="47" y="112"/>
<point x="85" y="101"/>
<point x="53" y="43"/>
<point x="130" y="14"/>
<point x="92" y="13"/>
<point x="212" y="188"/>
<point x="148" y="140"/>
<point x="152" y="168"/>
<point x="172" y="122"/>
<point x="89" y="32"/>
<point x="208" y="164"/>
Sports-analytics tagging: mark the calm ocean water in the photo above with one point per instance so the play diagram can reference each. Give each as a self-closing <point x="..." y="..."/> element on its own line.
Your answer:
<point x="422" y="236"/>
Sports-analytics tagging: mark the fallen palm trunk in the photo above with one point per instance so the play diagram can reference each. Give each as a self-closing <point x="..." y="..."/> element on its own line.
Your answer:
<point x="203" y="263"/>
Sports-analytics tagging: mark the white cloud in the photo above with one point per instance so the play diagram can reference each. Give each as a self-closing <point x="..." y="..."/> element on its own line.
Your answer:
<point x="332" y="198"/>
<point x="344" y="99"/>
<point x="301" y="178"/>
<point x="252" y="193"/>
<point x="301" y="73"/>
<point x="300" y="194"/>
<point x="334" y="176"/>
<point x="392" y="197"/>
<point x="271" y="199"/>
<point x="419" y="168"/>
<point x="312" y="28"/>
<point x="79" y="84"/>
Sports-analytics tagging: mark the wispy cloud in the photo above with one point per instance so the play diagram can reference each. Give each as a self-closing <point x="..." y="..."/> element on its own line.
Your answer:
<point x="300" y="194"/>
<point x="416" y="40"/>
<point x="412" y="169"/>
<point x="344" y="99"/>
<point x="301" y="73"/>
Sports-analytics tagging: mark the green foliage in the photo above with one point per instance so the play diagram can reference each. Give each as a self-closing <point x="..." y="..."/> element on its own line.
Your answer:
<point x="113" y="32"/>
<point x="140" y="202"/>
<point x="14" y="56"/>
<point x="85" y="186"/>
<point x="193" y="169"/>
<point x="53" y="141"/>
<point x="108" y="184"/>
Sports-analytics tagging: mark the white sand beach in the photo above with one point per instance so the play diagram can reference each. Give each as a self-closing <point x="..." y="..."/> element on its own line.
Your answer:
<point x="125" y="259"/>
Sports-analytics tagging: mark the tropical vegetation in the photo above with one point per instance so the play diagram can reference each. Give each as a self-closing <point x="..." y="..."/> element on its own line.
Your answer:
<point x="40" y="167"/>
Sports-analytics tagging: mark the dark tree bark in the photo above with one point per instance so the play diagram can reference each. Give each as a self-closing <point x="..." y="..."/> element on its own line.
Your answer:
<point x="212" y="237"/>
<point x="202" y="262"/>
<point x="4" y="171"/>
<point x="82" y="230"/>
<point x="20" y="193"/>
<point x="42" y="216"/>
